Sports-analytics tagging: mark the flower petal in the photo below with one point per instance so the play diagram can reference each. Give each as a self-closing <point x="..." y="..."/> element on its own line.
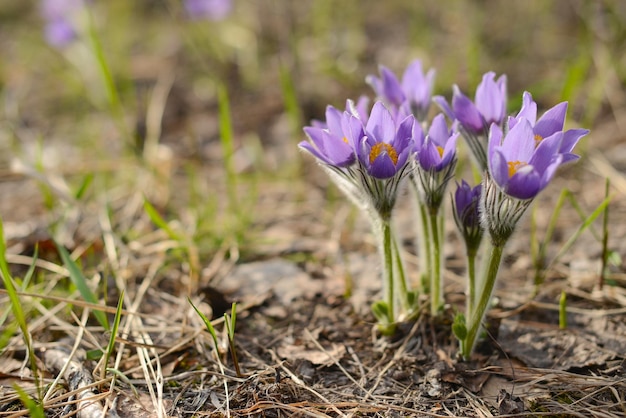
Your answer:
<point x="524" y="184"/>
<point x="382" y="167"/>
<point x="499" y="168"/>
<point x="528" y="110"/>
<point x="438" y="131"/>
<point x="444" y="106"/>
<point x="392" y="90"/>
<point x="333" y="120"/>
<point x="519" y="143"/>
<point x="381" y="124"/>
<point x="571" y="138"/>
<point x="551" y="121"/>
<point x="466" y="112"/>
<point x="429" y="156"/>
<point x="489" y="99"/>
<point x="546" y="151"/>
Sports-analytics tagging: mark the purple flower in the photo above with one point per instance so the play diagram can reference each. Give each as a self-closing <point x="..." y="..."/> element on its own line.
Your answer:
<point x="333" y="141"/>
<point x="551" y="122"/>
<point x="60" y="16"/>
<point x="412" y="95"/>
<point x="489" y="105"/>
<point x="439" y="147"/>
<point x="385" y="149"/>
<point x="466" y="199"/>
<point x="519" y="167"/>
<point x="208" y="9"/>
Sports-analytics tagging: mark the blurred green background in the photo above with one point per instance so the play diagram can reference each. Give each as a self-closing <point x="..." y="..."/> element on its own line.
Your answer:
<point x="146" y="75"/>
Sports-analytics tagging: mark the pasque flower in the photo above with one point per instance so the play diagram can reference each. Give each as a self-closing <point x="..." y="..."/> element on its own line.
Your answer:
<point x="519" y="166"/>
<point x="412" y="95"/>
<point x="475" y="117"/>
<point x="466" y="213"/>
<point x="332" y="142"/>
<point x="387" y="145"/>
<point x="489" y="105"/>
<point x="439" y="147"/>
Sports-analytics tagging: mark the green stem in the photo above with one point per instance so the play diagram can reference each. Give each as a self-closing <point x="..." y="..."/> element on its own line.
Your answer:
<point x="426" y="245"/>
<point x="388" y="273"/>
<point x="483" y="301"/>
<point x="471" y="276"/>
<point x="435" y="273"/>
<point x="404" y="291"/>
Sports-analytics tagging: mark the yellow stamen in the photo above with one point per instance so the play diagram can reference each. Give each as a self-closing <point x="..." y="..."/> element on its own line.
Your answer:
<point x="344" y="139"/>
<point x="514" y="166"/>
<point x="380" y="148"/>
<point x="440" y="151"/>
<point x="538" y="139"/>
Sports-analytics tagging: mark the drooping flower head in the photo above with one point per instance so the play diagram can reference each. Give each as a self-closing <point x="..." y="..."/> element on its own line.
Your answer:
<point x="208" y="9"/>
<point x="412" y="95"/>
<point x="387" y="145"/>
<point x="333" y="141"/>
<point x="61" y="18"/>
<point x="551" y="122"/>
<point x="439" y="147"/>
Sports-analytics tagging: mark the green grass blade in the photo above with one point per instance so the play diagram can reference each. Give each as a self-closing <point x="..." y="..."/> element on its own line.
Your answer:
<point x="158" y="220"/>
<point x="16" y="306"/>
<point x="34" y="409"/>
<point x="76" y="276"/>
<point x="84" y="186"/>
<point x="605" y="238"/>
<point x="114" y="329"/>
<point x="27" y="278"/>
<point x="586" y="223"/>
<point x="228" y="148"/>
<point x="207" y="323"/>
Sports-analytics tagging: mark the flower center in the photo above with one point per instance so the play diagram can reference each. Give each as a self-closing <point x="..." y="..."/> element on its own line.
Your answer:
<point x="514" y="166"/>
<point x="344" y="139"/>
<point x="381" y="148"/>
<point x="538" y="139"/>
<point x="440" y="150"/>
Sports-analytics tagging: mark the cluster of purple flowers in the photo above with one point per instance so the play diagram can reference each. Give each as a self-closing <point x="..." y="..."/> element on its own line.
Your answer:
<point x="521" y="152"/>
<point x="371" y="151"/>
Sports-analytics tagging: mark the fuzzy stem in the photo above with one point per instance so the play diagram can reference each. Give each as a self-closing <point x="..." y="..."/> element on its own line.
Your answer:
<point x="435" y="272"/>
<point x="485" y="295"/>
<point x="471" y="276"/>
<point x="426" y="245"/>
<point x="388" y="269"/>
<point x="404" y="291"/>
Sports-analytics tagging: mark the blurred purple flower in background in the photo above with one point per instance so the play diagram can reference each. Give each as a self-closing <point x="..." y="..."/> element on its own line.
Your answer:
<point x="411" y="96"/>
<point x="208" y="9"/>
<point x="61" y="20"/>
